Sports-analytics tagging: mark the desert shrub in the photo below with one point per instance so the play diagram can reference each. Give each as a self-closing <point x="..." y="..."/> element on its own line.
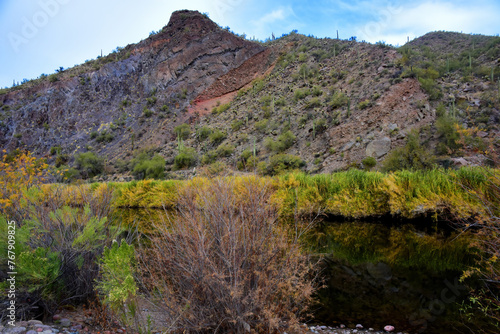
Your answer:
<point x="209" y="157"/>
<point x="225" y="264"/>
<point x="217" y="136"/>
<point x="89" y="164"/>
<point x="225" y="150"/>
<point x="182" y="131"/>
<point x="301" y="93"/>
<point x="412" y="156"/>
<point x="221" y="108"/>
<point x="236" y="125"/>
<point x="185" y="159"/>
<point x="313" y="103"/>
<point x="261" y="126"/>
<point x="282" y="143"/>
<point x="104" y="137"/>
<point x="431" y="88"/>
<point x="447" y="129"/>
<point x="320" y="125"/>
<point x="281" y="163"/>
<point x="369" y="162"/>
<point x="203" y="133"/>
<point x="364" y="104"/>
<point x="57" y="246"/>
<point x="316" y="91"/>
<point x="147" y="112"/>
<point x="145" y="167"/>
<point x="338" y="99"/>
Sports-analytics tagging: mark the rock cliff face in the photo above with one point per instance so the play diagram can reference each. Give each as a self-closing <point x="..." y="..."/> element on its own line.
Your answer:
<point x="159" y="75"/>
<point x="334" y="101"/>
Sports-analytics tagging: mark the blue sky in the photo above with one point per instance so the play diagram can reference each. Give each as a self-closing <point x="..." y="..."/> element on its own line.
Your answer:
<point x="39" y="36"/>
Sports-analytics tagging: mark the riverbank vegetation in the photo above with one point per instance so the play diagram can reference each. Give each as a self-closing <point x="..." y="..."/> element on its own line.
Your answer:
<point x="241" y="244"/>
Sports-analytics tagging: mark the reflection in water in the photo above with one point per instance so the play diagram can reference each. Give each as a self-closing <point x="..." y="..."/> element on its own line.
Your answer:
<point x="377" y="274"/>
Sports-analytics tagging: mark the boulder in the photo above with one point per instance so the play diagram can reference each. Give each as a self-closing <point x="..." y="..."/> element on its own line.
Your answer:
<point x="378" y="147"/>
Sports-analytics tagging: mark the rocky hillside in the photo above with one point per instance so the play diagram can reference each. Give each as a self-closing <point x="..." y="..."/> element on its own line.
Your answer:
<point x="198" y="95"/>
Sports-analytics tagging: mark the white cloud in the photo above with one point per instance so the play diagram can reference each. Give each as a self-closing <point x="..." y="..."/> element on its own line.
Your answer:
<point x="393" y="26"/>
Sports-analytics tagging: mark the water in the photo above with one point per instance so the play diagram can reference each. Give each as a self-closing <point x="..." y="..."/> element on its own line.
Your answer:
<point x="377" y="274"/>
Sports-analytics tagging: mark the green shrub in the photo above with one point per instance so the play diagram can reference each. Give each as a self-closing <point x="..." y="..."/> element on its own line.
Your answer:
<point x="145" y="168"/>
<point x="225" y="150"/>
<point x="182" y="131"/>
<point x="217" y="136"/>
<point x="203" y="133"/>
<point x="446" y="128"/>
<point x="369" y="162"/>
<point x="431" y="88"/>
<point x="220" y="109"/>
<point x="209" y="157"/>
<point x="282" y="143"/>
<point x="236" y="125"/>
<point x="283" y="162"/>
<point x="185" y="159"/>
<point x="301" y="93"/>
<point x="413" y="156"/>
<point x="364" y="104"/>
<point x="105" y="137"/>
<point x="316" y="91"/>
<point x="338" y="99"/>
<point x="261" y="126"/>
<point x="313" y="103"/>
<point x="89" y="164"/>
<point x="147" y="112"/>
<point x="117" y="284"/>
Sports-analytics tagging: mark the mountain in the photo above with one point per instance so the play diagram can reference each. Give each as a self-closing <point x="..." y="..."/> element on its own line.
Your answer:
<point x="197" y="94"/>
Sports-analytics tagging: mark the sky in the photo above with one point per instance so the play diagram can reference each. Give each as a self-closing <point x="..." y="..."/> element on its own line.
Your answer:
<point x="40" y="36"/>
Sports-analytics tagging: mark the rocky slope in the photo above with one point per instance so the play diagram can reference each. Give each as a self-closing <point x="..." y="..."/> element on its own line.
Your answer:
<point x="329" y="102"/>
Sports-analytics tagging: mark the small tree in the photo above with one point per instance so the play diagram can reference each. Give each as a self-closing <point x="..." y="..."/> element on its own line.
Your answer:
<point x="89" y="164"/>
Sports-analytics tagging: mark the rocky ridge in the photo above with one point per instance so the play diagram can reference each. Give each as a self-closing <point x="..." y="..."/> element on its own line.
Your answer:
<point x="341" y="100"/>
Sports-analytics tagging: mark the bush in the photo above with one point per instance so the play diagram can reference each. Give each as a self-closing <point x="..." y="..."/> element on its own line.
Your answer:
<point x="338" y="99"/>
<point x="220" y="109"/>
<point x="147" y="112"/>
<point x="364" y="104"/>
<point x="185" y="159"/>
<point x="369" y="162"/>
<point x="282" y="143"/>
<point x="301" y="93"/>
<point x="236" y="125"/>
<point x="431" y="88"/>
<point x="313" y="103"/>
<point x="104" y="137"/>
<point x="144" y="167"/>
<point x="217" y="137"/>
<point x="117" y="283"/>
<point x="225" y="150"/>
<point x="204" y="133"/>
<point x="413" y="156"/>
<point x="226" y="265"/>
<point x="89" y="164"/>
<point x="281" y="163"/>
<point x="446" y="126"/>
<point x="182" y="131"/>
<point x="261" y="126"/>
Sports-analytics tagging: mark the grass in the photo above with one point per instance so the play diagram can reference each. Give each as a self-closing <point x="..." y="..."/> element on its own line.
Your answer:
<point x="352" y="194"/>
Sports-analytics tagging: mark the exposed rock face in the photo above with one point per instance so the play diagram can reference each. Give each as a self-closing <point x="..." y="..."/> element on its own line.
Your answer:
<point x="378" y="148"/>
<point x="170" y="69"/>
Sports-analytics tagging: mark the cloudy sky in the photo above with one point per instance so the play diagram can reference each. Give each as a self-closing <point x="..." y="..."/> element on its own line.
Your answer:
<point x="39" y="36"/>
